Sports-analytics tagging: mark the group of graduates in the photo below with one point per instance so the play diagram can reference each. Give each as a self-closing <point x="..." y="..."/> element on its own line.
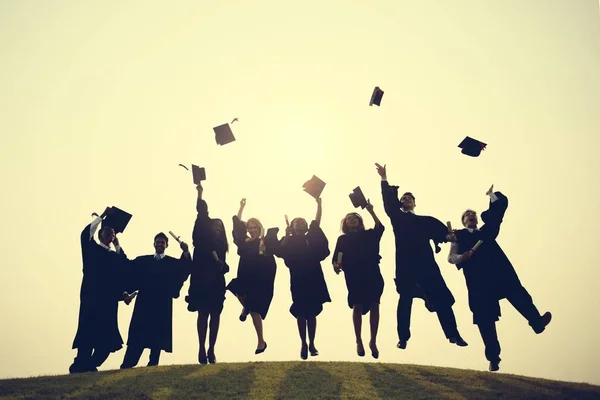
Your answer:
<point x="109" y="277"/>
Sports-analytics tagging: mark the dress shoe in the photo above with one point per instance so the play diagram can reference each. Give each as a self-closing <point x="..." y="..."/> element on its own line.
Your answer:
<point x="402" y="344"/>
<point x="494" y="366"/>
<point x="360" y="350"/>
<point x="374" y="350"/>
<point x="544" y="321"/>
<point x="459" y="341"/>
<point x="211" y="356"/>
<point x="304" y="352"/>
<point x="258" y="351"/>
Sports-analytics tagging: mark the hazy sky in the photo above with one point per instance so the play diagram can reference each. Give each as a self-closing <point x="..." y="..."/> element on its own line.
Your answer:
<point x="99" y="102"/>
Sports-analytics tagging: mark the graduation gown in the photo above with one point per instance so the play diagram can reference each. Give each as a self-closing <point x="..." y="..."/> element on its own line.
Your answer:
<point x="207" y="282"/>
<point x="303" y="254"/>
<point x="417" y="273"/>
<point x="256" y="272"/>
<point x="360" y="263"/>
<point x="489" y="274"/>
<point x="105" y="275"/>
<point x="158" y="282"/>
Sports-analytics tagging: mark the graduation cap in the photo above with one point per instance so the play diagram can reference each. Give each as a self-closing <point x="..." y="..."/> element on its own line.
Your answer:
<point x="358" y="198"/>
<point x="117" y="219"/>
<point x="198" y="173"/>
<point x="314" y="187"/>
<point x="471" y="147"/>
<point x="376" y="96"/>
<point x="223" y="134"/>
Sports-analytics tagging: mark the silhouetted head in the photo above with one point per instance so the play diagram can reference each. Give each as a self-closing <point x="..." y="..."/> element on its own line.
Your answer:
<point x="408" y="201"/>
<point x="255" y="228"/>
<point x="106" y="235"/>
<point x="469" y="219"/>
<point x="299" y="226"/>
<point x="352" y="222"/>
<point x="161" y="242"/>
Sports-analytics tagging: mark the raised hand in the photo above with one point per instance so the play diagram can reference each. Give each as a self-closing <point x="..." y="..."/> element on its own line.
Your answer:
<point x="184" y="247"/>
<point x="369" y="206"/>
<point x="490" y="190"/>
<point x="243" y="203"/>
<point x="381" y="170"/>
<point x="116" y="241"/>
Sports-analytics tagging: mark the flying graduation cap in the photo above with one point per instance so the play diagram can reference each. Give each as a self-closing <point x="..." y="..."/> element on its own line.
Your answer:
<point x="358" y="198"/>
<point x="223" y="134"/>
<point x="117" y="219"/>
<point x="199" y="174"/>
<point x="471" y="147"/>
<point x="376" y="96"/>
<point x="314" y="186"/>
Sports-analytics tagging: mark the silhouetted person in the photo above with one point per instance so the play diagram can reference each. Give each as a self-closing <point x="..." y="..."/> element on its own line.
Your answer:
<point x="490" y="276"/>
<point x="103" y="286"/>
<point x="303" y="248"/>
<point x="158" y="279"/>
<point x="417" y="273"/>
<point x="207" y="283"/>
<point x="256" y="273"/>
<point x="360" y="264"/>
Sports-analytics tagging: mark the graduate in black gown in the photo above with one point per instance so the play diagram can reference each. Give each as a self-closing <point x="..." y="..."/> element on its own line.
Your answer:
<point x="207" y="283"/>
<point x="255" y="279"/>
<point x="417" y="273"/>
<point x="105" y="273"/>
<point x="359" y="249"/>
<point x="303" y="248"/>
<point x="490" y="276"/>
<point x="158" y="278"/>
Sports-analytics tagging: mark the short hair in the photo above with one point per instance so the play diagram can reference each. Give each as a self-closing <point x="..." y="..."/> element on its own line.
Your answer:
<point x="161" y="236"/>
<point x="410" y="194"/>
<point x="103" y="230"/>
<point x="462" y="217"/>
<point x="344" y="226"/>
<point x="297" y="219"/>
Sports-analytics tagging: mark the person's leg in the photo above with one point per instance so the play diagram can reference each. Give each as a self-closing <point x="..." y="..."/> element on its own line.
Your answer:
<point x="132" y="356"/>
<point x="374" y="322"/>
<point x="244" y="313"/>
<point x="403" y="319"/>
<point x="258" y="326"/>
<point x="202" y="327"/>
<point x="448" y="323"/>
<point x="98" y="357"/>
<point x="82" y="360"/>
<point x="492" y="345"/>
<point x="154" y="357"/>
<point x="301" y="321"/>
<point x="523" y="303"/>
<point x="215" y="320"/>
<point x="357" y="322"/>
<point x="311" y="323"/>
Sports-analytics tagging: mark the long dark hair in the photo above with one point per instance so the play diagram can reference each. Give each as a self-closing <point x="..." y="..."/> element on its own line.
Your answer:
<point x="225" y="241"/>
<point x="345" y="227"/>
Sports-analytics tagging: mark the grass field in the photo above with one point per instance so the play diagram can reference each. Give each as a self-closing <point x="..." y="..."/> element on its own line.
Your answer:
<point x="293" y="380"/>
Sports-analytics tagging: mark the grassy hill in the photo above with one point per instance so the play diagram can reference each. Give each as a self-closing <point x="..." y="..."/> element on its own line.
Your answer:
<point x="293" y="380"/>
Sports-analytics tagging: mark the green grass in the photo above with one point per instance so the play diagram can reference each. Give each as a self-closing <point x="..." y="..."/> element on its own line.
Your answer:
<point x="293" y="380"/>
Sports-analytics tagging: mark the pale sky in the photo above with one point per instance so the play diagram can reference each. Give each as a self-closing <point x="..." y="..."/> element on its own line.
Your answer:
<point x="99" y="102"/>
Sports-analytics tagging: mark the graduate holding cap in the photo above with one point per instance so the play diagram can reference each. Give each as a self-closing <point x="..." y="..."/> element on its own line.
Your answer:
<point x="104" y="284"/>
<point x="417" y="273"/>
<point x="255" y="279"/>
<point x="490" y="276"/>
<point x="357" y="256"/>
<point x="207" y="283"/>
<point x="303" y="248"/>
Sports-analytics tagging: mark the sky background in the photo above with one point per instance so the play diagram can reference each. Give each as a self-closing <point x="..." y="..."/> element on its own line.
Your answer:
<point x="100" y="102"/>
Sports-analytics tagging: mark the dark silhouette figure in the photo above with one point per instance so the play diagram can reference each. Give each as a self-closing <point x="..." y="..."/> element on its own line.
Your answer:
<point x="358" y="251"/>
<point x="158" y="279"/>
<point x="256" y="273"/>
<point x="490" y="276"/>
<point x="207" y="283"/>
<point x="417" y="273"/>
<point x="303" y="248"/>
<point x="104" y="284"/>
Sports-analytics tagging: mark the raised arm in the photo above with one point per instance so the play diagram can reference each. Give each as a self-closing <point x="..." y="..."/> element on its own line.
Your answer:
<point x="239" y="231"/>
<point x="202" y="225"/>
<point x="493" y="216"/>
<point x="391" y="204"/>
<point x="241" y="210"/>
<point x="369" y="207"/>
<point x="319" y="211"/>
